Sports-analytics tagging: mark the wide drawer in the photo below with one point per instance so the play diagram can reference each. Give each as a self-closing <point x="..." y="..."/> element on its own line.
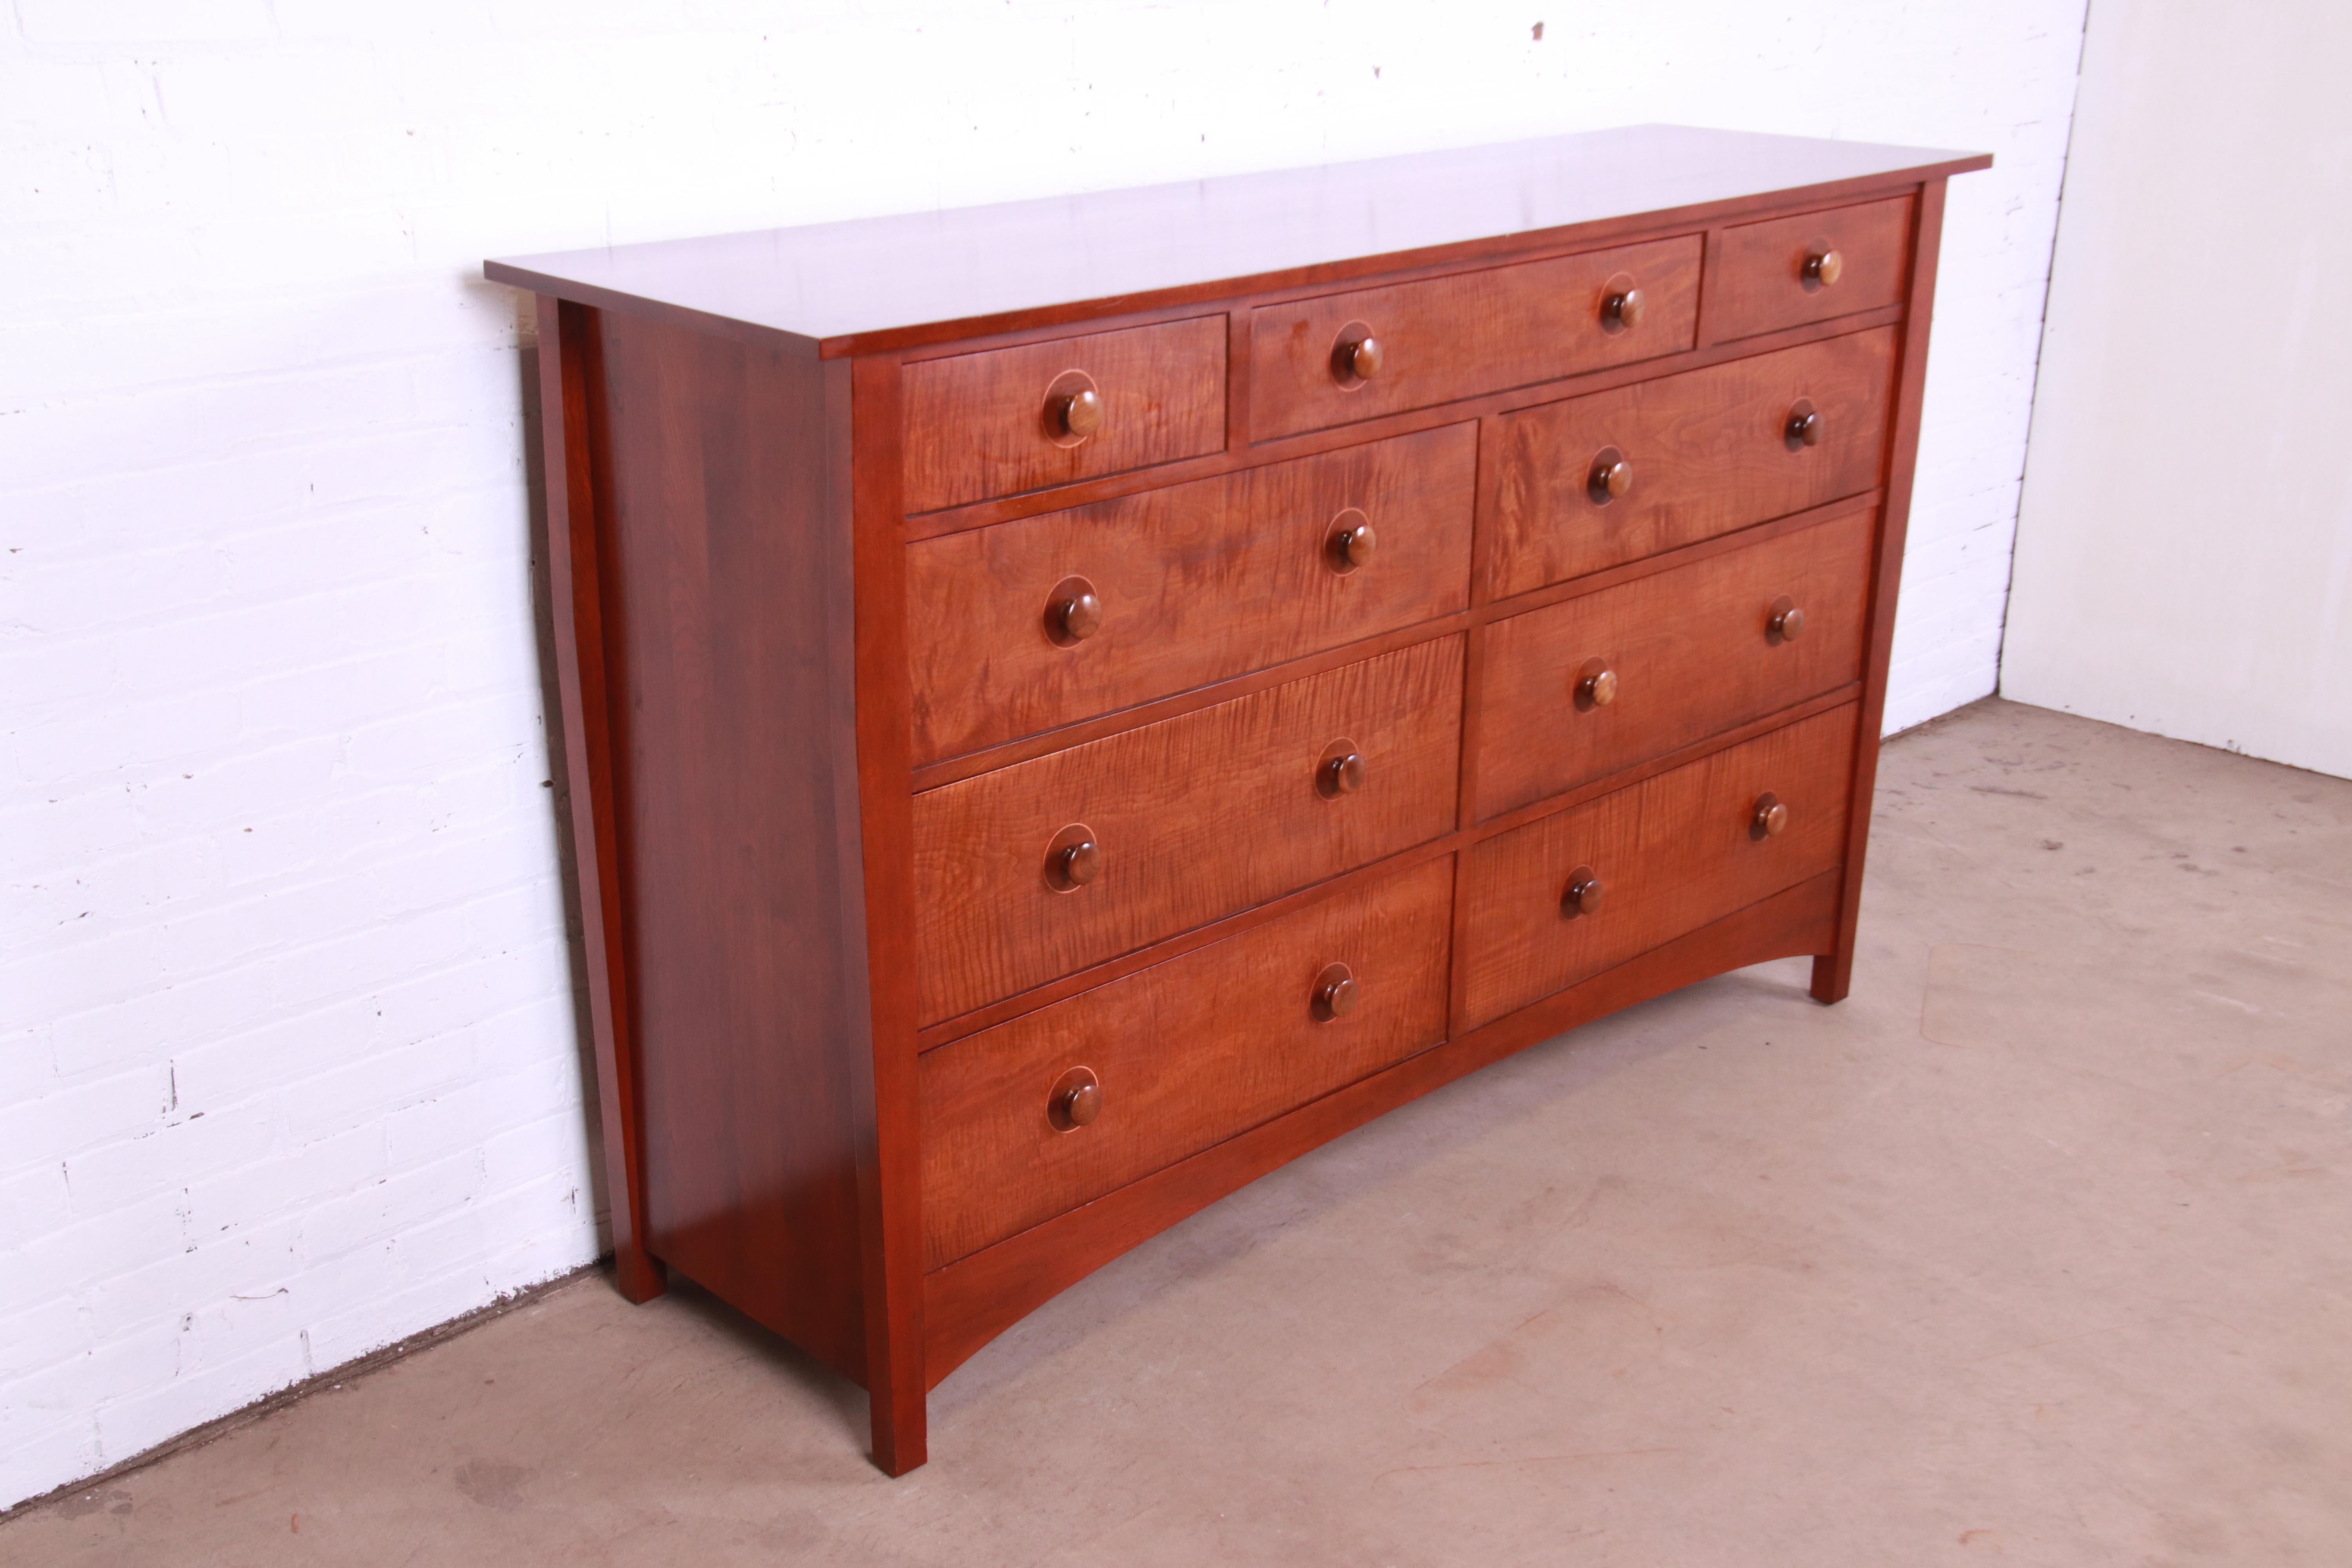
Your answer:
<point x="1179" y="1056"/>
<point x="1677" y="656"/>
<point x="1780" y="273"/>
<point x="996" y="422"/>
<point x="1703" y="453"/>
<point x="1467" y="333"/>
<point x="1192" y="818"/>
<point x="1652" y="862"/>
<point x="1183" y="587"/>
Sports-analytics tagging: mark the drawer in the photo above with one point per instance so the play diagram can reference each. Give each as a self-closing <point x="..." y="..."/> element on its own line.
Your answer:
<point x="1693" y="651"/>
<point x="1180" y="1055"/>
<point x="1705" y="452"/>
<point x="1467" y="333"/>
<point x="1670" y="854"/>
<point x="993" y="424"/>
<point x="1776" y="274"/>
<point x="1194" y="583"/>
<point x="1192" y="818"/>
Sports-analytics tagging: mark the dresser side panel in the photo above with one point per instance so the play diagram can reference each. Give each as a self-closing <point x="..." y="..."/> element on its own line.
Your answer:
<point x="727" y="545"/>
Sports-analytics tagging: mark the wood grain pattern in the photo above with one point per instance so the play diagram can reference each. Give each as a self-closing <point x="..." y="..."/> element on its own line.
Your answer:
<point x="1834" y="970"/>
<point x="1466" y="333"/>
<point x="583" y="689"/>
<point x="1709" y="453"/>
<point x="727" y="581"/>
<point x="970" y="1301"/>
<point x="1198" y="582"/>
<point x="975" y="425"/>
<point x="1198" y="817"/>
<point x="1674" y="854"/>
<point x="1189" y="1053"/>
<point x="1241" y="454"/>
<point x="1692" y="653"/>
<point x="1759" y="282"/>
<point x="877" y="859"/>
<point x="879" y="284"/>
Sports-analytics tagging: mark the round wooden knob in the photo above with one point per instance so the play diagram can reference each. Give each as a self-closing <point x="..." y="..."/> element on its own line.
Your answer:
<point x="1596" y="684"/>
<point x="1624" y="308"/>
<point x="1080" y="413"/>
<point x="1611" y="476"/>
<point x="1352" y="545"/>
<point x="1073" y="859"/>
<point x="1075" y="1101"/>
<point x="1336" y="992"/>
<point x="1345" y="774"/>
<point x="1770" y="819"/>
<point x="1582" y="894"/>
<point x="1079" y="615"/>
<point x="1788" y="622"/>
<point x="1804" y="427"/>
<point x="1824" y="268"/>
<point x="1359" y="358"/>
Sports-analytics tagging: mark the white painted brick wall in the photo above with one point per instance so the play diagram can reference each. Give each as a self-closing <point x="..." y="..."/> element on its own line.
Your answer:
<point x="287" y="1064"/>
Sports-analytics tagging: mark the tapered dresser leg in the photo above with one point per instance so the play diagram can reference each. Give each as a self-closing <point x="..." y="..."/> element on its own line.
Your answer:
<point x="638" y="1274"/>
<point x="1832" y="975"/>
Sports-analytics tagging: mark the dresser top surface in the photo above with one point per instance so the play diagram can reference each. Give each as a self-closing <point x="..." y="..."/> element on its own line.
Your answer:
<point x="862" y="283"/>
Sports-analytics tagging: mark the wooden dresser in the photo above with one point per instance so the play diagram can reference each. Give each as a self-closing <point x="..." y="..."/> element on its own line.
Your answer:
<point x="1068" y="706"/>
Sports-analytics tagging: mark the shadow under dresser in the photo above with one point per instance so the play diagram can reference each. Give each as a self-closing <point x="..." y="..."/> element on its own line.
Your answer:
<point x="1068" y="705"/>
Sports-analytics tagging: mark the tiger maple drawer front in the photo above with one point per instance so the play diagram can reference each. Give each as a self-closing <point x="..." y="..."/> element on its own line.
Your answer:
<point x="1039" y="870"/>
<point x="1003" y="421"/>
<point x="1565" y="897"/>
<point x="1591" y="482"/>
<point x="1789" y="271"/>
<point x="1467" y="333"/>
<point x="1028" y="625"/>
<point x="1582" y="689"/>
<point x="1032" y="1118"/>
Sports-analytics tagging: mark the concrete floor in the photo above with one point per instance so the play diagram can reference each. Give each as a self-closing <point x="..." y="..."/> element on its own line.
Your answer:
<point x="2038" y="1250"/>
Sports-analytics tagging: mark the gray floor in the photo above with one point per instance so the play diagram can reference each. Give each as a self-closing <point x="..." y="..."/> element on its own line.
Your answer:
<point x="2037" y="1251"/>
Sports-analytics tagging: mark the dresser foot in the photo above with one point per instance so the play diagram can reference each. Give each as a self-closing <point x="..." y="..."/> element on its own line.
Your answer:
<point x="900" y="1437"/>
<point x="638" y="1274"/>
<point x="1833" y="976"/>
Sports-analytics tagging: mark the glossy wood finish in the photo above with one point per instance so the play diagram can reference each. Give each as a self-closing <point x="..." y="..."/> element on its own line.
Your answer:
<point x="841" y="719"/>
<point x="884" y="284"/>
<point x="1198" y="817"/>
<point x="1760" y="281"/>
<point x="970" y="1301"/>
<point x="1466" y="333"/>
<point x="1675" y="853"/>
<point x="1253" y="1047"/>
<point x="726" y="589"/>
<point x="584" y="694"/>
<point x="1833" y="969"/>
<point x="1198" y="582"/>
<point x="882" y="1109"/>
<point x="979" y="425"/>
<point x="1692" y="652"/>
<point x="1707" y="454"/>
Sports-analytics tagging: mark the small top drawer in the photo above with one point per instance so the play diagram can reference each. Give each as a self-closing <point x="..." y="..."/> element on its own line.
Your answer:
<point x="1467" y="333"/>
<point x="1007" y="420"/>
<point x="1792" y="271"/>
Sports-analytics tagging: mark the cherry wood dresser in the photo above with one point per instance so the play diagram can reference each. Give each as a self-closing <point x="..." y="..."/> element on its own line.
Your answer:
<point x="1068" y="706"/>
